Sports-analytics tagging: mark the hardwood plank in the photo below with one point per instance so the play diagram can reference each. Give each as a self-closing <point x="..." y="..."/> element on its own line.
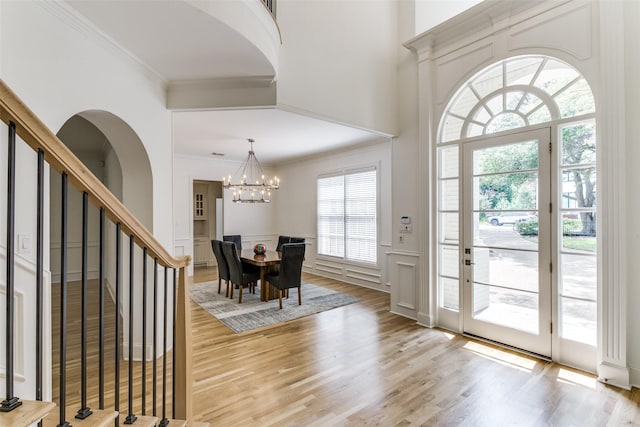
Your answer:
<point x="360" y="364"/>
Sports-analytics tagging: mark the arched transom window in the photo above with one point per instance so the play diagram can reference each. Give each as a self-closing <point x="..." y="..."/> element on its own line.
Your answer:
<point x="516" y="93"/>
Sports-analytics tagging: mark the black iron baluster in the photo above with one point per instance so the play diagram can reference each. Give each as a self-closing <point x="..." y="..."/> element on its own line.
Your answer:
<point x="144" y="331"/>
<point x="117" y="322"/>
<point x="84" y="411"/>
<point x="63" y="304"/>
<point x="40" y="278"/>
<point x="101" y="263"/>
<point x="131" y="418"/>
<point x="11" y="402"/>
<point x="173" y="353"/>
<point x="164" y="421"/>
<point x="155" y="335"/>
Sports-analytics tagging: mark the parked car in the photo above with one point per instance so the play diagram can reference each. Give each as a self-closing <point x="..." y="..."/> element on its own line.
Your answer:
<point x="509" y="218"/>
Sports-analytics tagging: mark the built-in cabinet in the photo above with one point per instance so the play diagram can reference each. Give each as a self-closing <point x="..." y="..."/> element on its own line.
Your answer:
<point x="199" y="206"/>
<point x="201" y="249"/>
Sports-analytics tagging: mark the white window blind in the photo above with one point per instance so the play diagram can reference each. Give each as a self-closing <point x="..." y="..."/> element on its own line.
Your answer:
<point x="347" y="209"/>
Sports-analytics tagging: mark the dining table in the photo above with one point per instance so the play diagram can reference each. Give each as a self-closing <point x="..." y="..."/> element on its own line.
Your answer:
<point x="264" y="262"/>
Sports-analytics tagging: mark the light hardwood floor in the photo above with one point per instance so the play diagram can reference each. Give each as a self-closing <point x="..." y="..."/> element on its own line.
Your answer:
<point x="361" y="365"/>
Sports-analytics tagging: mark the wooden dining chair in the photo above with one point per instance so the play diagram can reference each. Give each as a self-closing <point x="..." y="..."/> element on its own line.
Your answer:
<point x="223" y="269"/>
<point x="239" y="275"/>
<point x="290" y="273"/>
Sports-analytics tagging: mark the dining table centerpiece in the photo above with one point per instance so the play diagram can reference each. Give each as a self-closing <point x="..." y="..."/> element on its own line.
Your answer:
<point x="260" y="249"/>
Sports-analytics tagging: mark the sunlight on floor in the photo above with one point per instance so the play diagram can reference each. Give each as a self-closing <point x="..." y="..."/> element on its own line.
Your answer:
<point x="504" y="358"/>
<point x="566" y="376"/>
<point x="449" y="335"/>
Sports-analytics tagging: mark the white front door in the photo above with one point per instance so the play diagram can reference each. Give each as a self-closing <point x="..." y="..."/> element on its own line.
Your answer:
<point x="506" y="234"/>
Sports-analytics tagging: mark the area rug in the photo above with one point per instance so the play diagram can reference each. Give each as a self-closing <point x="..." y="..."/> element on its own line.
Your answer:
<point x="255" y="314"/>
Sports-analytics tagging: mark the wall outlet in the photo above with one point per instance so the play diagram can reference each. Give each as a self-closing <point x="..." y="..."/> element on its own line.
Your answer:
<point x="24" y="244"/>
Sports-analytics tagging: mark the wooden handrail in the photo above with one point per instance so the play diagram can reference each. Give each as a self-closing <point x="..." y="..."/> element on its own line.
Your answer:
<point x="35" y="133"/>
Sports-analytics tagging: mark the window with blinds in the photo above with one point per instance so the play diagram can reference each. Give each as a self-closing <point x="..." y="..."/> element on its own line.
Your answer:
<point x="347" y="216"/>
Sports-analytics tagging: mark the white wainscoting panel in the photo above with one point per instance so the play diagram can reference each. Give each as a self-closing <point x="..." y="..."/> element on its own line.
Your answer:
<point x="403" y="280"/>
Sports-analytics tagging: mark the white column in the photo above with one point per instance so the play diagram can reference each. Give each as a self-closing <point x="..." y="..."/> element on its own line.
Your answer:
<point x="612" y="298"/>
<point x="427" y="289"/>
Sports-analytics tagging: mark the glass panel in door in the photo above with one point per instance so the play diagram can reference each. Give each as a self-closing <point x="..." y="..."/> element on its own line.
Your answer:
<point x="506" y="256"/>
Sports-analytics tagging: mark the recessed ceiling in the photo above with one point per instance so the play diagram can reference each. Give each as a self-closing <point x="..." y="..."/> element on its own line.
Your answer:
<point x="279" y="135"/>
<point x="180" y="42"/>
<point x="175" y="39"/>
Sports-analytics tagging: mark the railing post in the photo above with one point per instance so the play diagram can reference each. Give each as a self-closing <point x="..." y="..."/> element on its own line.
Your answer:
<point x="165" y="420"/>
<point x="101" y="265"/>
<point x="173" y="353"/>
<point x="63" y="303"/>
<point x="40" y="279"/>
<point x="11" y="402"/>
<point x="155" y="336"/>
<point x="182" y="378"/>
<point x="84" y="410"/>
<point x="116" y="387"/>
<point x="144" y="331"/>
<point x="131" y="418"/>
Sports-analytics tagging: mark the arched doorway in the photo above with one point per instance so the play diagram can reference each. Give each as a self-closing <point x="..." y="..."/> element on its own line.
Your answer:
<point x="516" y="171"/>
<point x="115" y="154"/>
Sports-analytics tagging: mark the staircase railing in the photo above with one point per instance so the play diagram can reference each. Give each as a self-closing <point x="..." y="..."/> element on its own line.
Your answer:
<point x="23" y="124"/>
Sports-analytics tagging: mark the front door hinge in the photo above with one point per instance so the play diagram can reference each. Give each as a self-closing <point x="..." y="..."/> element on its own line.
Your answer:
<point x="550" y="267"/>
<point x="550" y="147"/>
<point x="551" y="328"/>
<point x="550" y="207"/>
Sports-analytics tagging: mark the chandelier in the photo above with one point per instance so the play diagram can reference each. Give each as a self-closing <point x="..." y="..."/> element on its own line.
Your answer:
<point x="249" y="184"/>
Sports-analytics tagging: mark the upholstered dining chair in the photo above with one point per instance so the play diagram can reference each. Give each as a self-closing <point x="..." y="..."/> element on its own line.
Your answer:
<point x="223" y="269"/>
<point x="281" y="241"/>
<point x="235" y="238"/>
<point x="239" y="275"/>
<point x="290" y="274"/>
<point x="288" y="239"/>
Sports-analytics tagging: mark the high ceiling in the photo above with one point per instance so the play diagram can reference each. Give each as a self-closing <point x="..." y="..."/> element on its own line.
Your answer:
<point x="179" y="42"/>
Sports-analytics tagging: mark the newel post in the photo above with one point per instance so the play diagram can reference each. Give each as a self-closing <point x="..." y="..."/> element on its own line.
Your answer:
<point x="183" y="376"/>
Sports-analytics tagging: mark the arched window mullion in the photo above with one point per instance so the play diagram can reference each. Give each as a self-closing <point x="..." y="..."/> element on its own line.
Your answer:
<point x="539" y="71"/>
<point x="567" y="86"/>
<point x="544" y="106"/>
<point x="481" y="101"/>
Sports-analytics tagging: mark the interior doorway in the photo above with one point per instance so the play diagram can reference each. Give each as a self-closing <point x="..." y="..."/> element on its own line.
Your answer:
<point x="208" y="221"/>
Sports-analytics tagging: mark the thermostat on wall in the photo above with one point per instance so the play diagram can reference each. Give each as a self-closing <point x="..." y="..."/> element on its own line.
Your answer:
<point x="405" y="219"/>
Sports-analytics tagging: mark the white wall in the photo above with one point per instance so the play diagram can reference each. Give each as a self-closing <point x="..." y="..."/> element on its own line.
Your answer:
<point x="297" y="215"/>
<point x="255" y="222"/>
<point x="338" y="61"/>
<point x="64" y="68"/>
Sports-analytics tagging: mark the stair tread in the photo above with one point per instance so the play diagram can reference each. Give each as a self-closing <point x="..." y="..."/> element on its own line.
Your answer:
<point x="198" y="424"/>
<point x="141" y="421"/>
<point x="97" y="419"/>
<point x="28" y="413"/>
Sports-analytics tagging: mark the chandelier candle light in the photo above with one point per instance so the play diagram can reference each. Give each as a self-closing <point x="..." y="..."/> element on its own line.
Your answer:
<point x="249" y="184"/>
